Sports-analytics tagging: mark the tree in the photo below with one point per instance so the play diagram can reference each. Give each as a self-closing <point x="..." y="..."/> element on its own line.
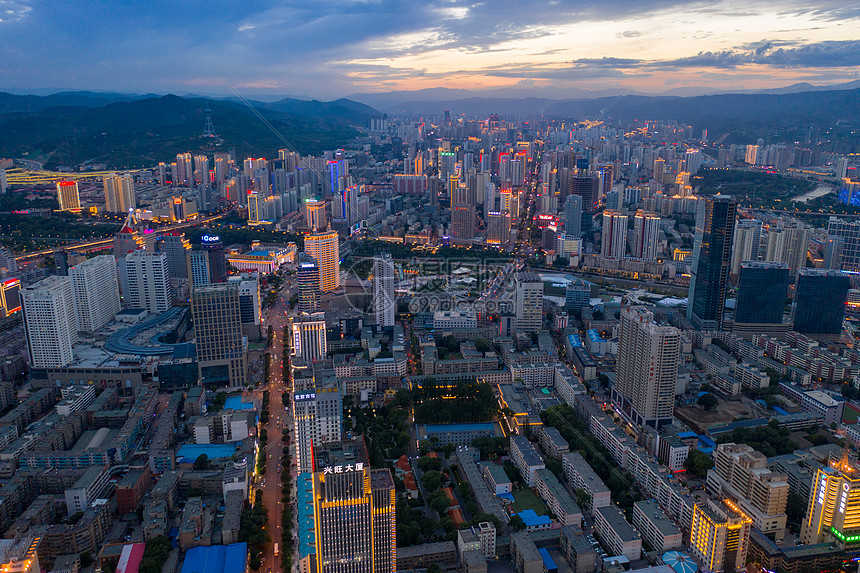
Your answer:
<point x="698" y="463"/>
<point x="427" y="463"/>
<point x="516" y="523"/>
<point x="432" y="480"/>
<point x="708" y="401"/>
<point x="86" y="559"/>
<point x="439" y="502"/>
<point x="201" y="463"/>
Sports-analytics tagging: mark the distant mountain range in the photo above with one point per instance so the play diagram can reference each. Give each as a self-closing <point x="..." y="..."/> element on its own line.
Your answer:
<point x="126" y="130"/>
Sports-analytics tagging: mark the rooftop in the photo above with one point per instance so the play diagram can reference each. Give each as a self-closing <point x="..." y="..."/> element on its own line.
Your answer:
<point x="216" y="559"/>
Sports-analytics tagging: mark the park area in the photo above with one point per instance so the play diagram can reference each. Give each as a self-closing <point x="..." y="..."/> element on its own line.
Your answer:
<point x="527" y="499"/>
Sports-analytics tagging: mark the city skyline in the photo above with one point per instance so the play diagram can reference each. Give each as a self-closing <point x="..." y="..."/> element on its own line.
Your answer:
<point x="371" y="47"/>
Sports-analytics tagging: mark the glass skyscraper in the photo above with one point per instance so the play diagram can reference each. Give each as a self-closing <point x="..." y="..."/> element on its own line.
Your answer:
<point x="819" y="303"/>
<point x="712" y="255"/>
<point x="762" y="288"/>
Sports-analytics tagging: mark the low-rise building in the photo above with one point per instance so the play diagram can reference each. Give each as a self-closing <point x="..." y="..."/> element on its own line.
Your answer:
<point x="619" y="536"/>
<point x="526" y="459"/>
<point x="557" y="498"/>
<point x="580" y="476"/>
<point x="658" y="531"/>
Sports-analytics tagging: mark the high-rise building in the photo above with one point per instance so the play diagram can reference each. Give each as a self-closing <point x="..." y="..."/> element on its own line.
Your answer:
<point x="762" y="288"/>
<point x="325" y="249"/>
<point x="819" y="301"/>
<point x="256" y="207"/>
<point x="146" y="281"/>
<point x="384" y="301"/>
<point x="788" y="244"/>
<point x="463" y="221"/>
<point x="354" y="516"/>
<point x="646" y="235"/>
<point x="849" y="231"/>
<point x="318" y="419"/>
<point x="659" y="170"/>
<point x="128" y="240"/>
<point x="648" y="356"/>
<point x="222" y="353"/>
<point x="587" y="187"/>
<point x="741" y="474"/>
<point x="214" y="248"/>
<point x="498" y="228"/>
<point x="50" y="322"/>
<point x="709" y="271"/>
<point x="178" y="251"/>
<point x="720" y="536"/>
<point x="96" y="292"/>
<point x="573" y="215"/>
<point x="119" y="193"/>
<point x="199" y="261"/>
<point x="833" y="511"/>
<point x="67" y="196"/>
<point x="529" y="288"/>
<point x="183" y="174"/>
<point x="309" y="341"/>
<point x="833" y="248"/>
<point x="249" y="303"/>
<point x="746" y="243"/>
<point x="308" y="279"/>
<point x="315" y="215"/>
<point x="614" y="241"/>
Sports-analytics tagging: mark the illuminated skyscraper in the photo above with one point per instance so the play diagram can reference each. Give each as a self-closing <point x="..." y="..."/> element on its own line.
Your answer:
<point x="384" y="301"/>
<point x="573" y="215"/>
<point x="833" y="511"/>
<point x="309" y="341"/>
<point x="308" y="278"/>
<point x="325" y="249"/>
<point x="354" y="515"/>
<point x="788" y="244"/>
<point x="709" y="271"/>
<point x="94" y="284"/>
<point x="214" y="248"/>
<point x="318" y="419"/>
<point x="146" y="281"/>
<point x="178" y="251"/>
<point x="746" y="243"/>
<point x="529" y="301"/>
<point x="315" y="215"/>
<point x="648" y="356"/>
<point x="184" y="172"/>
<point x="646" y="235"/>
<point x="67" y="196"/>
<point x="720" y="536"/>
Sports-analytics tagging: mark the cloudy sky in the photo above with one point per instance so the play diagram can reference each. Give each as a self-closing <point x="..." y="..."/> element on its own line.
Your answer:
<point x="333" y="49"/>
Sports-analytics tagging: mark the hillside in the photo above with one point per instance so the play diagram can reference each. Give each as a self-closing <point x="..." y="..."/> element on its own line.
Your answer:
<point x="142" y="132"/>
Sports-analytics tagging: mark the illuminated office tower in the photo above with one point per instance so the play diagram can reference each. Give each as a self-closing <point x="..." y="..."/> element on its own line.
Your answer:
<point x="308" y="278"/>
<point x="162" y="173"/>
<point x="709" y="271"/>
<point x="720" y="536"/>
<point x="659" y="170"/>
<point x="646" y="235"/>
<point x="96" y="291"/>
<point x="222" y="167"/>
<point x="325" y="249"/>
<point x="573" y="215"/>
<point x="833" y="511"/>
<point x="221" y="348"/>
<point x="119" y="194"/>
<point x="529" y="289"/>
<point x="648" y="356"/>
<point x="614" y="241"/>
<point x="315" y="215"/>
<point x="67" y="196"/>
<point x="819" y="301"/>
<point x="309" y="342"/>
<point x="184" y="171"/>
<point x="463" y="221"/>
<point x="746" y="243"/>
<point x="50" y="322"/>
<point x="146" y="281"/>
<point x="249" y="303"/>
<point x="178" y="251"/>
<point x="199" y="269"/>
<point x="214" y="248"/>
<point x="753" y="155"/>
<point x="354" y="516"/>
<point x="317" y="418"/>
<point x="256" y="207"/>
<point x="251" y="165"/>
<point x="498" y="228"/>
<point x="384" y="301"/>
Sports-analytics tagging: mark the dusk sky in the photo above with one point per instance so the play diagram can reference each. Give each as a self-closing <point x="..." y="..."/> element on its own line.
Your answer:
<point x="333" y="49"/>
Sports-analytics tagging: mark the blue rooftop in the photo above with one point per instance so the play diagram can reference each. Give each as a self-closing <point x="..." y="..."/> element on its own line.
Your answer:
<point x="190" y="452"/>
<point x="593" y="335"/>
<point x="236" y="403"/>
<point x="548" y="562"/>
<point x="532" y="519"/>
<point x="482" y="426"/>
<point x="305" y="517"/>
<point x="506" y="496"/>
<point x="216" y="559"/>
<point x="688" y="435"/>
<point x="575" y="342"/>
